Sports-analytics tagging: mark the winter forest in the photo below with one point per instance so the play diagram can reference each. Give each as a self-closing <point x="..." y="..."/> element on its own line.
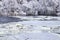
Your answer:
<point x="29" y="7"/>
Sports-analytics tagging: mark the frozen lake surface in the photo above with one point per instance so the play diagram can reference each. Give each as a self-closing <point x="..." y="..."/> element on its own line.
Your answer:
<point x="41" y="23"/>
<point x="38" y="36"/>
<point x="34" y="36"/>
<point x="29" y="20"/>
<point x="12" y="21"/>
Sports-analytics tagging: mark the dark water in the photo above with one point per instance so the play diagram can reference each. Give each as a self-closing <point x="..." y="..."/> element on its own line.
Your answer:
<point x="4" y="19"/>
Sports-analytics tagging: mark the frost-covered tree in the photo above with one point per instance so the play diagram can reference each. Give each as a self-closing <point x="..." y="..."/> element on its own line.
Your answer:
<point x="29" y="7"/>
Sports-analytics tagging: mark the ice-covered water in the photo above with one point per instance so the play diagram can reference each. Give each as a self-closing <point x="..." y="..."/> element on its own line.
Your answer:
<point x="41" y="23"/>
<point x="43" y="35"/>
<point x="35" y="36"/>
<point x="4" y="19"/>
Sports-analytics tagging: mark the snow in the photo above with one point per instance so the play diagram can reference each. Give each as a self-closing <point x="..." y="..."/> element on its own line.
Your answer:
<point x="42" y="23"/>
<point x="32" y="30"/>
<point x="37" y="36"/>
